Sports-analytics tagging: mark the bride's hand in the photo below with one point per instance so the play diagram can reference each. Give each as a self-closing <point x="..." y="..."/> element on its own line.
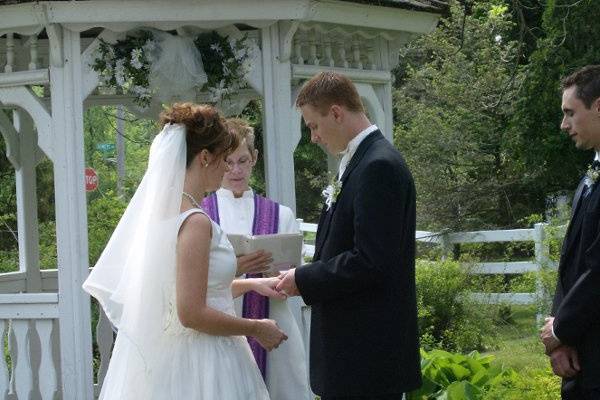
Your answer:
<point x="268" y="334"/>
<point x="266" y="287"/>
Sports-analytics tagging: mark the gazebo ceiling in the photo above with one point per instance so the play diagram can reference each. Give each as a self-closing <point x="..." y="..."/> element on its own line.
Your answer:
<point x="27" y="17"/>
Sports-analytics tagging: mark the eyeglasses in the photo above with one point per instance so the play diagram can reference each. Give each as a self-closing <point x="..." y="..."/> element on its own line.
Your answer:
<point x="243" y="162"/>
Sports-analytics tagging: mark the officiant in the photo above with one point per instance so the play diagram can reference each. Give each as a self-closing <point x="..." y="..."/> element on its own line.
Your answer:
<point x="239" y="210"/>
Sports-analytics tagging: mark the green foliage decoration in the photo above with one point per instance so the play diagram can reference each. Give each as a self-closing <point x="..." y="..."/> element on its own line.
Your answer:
<point x="126" y="64"/>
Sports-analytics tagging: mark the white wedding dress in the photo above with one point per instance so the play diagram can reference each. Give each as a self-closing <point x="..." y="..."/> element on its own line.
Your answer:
<point x="193" y="365"/>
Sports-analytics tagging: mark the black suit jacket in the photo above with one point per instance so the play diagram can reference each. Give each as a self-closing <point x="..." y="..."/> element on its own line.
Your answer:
<point x="576" y="305"/>
<point x="361" y="283"/>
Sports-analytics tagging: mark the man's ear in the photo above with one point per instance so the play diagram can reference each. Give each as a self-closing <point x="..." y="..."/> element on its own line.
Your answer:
<point x="337" y="112"/>
<point x="596" y="106"/>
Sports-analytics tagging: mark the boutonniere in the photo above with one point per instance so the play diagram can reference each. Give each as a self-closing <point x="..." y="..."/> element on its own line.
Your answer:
<point x="331" y="192"/>
<point x="592" y="175"/>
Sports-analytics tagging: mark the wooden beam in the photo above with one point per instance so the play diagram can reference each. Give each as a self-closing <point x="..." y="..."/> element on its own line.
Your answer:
<point x="357" y="75"/>
<point x="20" y="78"/>
<point x="23" y="97"/>
<point x="11" y="139"/>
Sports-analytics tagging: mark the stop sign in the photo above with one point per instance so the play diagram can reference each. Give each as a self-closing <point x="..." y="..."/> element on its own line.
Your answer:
<point x="91" y="180"/>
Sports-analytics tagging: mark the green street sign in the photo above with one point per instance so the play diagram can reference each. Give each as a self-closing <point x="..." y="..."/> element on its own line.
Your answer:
<point x="105" y="147"/>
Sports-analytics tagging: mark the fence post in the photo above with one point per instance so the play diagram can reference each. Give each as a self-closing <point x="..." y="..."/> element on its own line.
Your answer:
<point x="542" y="257"/>
<point x="446" y="245"/>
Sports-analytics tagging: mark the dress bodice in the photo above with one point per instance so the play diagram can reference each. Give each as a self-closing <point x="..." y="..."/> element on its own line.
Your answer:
<point x="222" y="266"/>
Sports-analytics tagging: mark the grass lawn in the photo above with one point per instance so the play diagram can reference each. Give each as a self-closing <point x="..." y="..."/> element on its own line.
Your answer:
<point x="518" y="343"/>
<point x="519" y="348"/>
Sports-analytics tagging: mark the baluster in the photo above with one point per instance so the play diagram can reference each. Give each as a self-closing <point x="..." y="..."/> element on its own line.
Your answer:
<point x="298" y="49"/>
<point x="10" y="52"/>
<point x="23" y="375"/>
<point x="33" y="52"/>
<point x="327" y="55"/>
<point x="357" y="63"/>
<point x="4" y="381"/>
<point x="47" y="374"/>
<point x="371" y="56"/>
<point x="12" y="351"/>
<point x="342" y="54"/>
<point x="312" y="46"/>
<point x="105" y="338"/>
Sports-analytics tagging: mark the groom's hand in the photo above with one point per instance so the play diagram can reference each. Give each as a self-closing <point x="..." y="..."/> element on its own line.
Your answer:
<point x="288" y="283"/>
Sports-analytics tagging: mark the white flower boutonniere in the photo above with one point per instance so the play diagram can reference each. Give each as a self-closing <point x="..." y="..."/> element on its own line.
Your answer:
<point x="592" y="175"/>
<point x="331" y="192"/>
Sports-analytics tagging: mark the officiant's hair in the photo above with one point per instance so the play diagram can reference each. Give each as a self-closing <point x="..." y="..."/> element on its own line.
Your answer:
<point x="328" y="88"/>
<point x="243" y="132"/>
<point x="205" y="129"/>
<point x="587" y="83"/>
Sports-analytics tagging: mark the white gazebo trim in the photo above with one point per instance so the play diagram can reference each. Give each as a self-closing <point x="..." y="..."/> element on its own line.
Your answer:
<point x="279" y="150"/>
<point x="33" y="77"/>
<point x="71" y="217"/>
<point x="23" y="97"/>
<point x="303" y="71"/>
<point x="11" y="139"/>
<point x="82" y="15"/>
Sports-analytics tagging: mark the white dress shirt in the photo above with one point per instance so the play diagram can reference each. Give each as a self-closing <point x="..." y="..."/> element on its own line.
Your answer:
<point x="351" y="148"/>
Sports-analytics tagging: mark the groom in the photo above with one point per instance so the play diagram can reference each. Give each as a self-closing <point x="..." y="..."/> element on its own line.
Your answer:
<point x="572" y="334"/>
<point x="361" y="283"/>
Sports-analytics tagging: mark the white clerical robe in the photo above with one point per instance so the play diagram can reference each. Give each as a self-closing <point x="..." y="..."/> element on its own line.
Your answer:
<point x="287" y="378"/>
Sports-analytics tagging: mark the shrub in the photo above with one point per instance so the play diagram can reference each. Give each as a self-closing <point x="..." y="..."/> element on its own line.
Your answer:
<point x="448" y="318"/>
<point x="534" y="384"/>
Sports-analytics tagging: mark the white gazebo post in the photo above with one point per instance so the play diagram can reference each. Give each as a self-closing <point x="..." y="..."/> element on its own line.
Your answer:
<point x="27" y="223"/>
<point x="280" y="136"/>
<point x="71" y="212"/>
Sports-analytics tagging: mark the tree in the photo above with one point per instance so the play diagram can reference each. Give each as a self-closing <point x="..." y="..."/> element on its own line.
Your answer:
<point x="453" y="106"/>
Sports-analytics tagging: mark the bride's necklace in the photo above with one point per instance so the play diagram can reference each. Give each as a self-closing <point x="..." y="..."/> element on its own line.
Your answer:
<point x="192" y="199"/>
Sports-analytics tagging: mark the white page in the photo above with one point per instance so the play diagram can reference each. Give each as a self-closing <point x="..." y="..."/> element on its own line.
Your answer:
<point x="286" y="248"/>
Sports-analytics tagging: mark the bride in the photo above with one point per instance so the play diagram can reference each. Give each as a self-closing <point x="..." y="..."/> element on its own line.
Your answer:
<point x="165" y="278"/>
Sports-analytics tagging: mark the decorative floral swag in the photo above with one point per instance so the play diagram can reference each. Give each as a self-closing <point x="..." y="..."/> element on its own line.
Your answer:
<point x="126" y="64"/>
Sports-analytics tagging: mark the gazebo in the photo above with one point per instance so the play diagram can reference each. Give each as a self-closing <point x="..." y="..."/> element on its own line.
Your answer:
<point x="45" y="315"/>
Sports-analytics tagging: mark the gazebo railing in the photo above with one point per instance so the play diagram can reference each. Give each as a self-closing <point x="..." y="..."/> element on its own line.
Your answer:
<point x="29" y="332"/>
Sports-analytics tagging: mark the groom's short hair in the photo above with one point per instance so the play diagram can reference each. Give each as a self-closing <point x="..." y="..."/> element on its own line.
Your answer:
<point x="586" y="82"/>
<point x="328" y="88"/>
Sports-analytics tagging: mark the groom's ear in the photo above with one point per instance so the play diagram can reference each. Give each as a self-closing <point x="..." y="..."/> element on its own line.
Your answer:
<point x="337" y="113"/>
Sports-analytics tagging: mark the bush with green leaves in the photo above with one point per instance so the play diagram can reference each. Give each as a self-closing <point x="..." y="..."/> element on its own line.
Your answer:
<point x="448" y="318"/>
<point x="452" y="376"/>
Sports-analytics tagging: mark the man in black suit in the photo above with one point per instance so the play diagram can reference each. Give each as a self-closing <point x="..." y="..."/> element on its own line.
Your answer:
<point x="361" y="283"/>
<point x="572" y="334"/>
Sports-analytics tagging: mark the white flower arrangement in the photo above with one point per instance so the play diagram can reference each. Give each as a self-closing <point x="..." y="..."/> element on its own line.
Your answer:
<point x="126" y="65"/>
<point x="592" y="174"/>
<point x="331" y="193"/>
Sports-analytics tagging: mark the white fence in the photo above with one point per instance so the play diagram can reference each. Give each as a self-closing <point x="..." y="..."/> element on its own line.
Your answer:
<point x="448" y="239"/>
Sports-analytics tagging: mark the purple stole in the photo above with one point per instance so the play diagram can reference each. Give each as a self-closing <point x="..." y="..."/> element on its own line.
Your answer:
<point x="255" y="306"/>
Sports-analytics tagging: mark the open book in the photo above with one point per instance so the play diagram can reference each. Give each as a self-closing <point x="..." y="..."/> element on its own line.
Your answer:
<point x="286" y="248"/>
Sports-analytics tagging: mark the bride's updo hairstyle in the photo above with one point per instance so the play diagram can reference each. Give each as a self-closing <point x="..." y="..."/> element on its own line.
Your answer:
<point x="205" y="129"/>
